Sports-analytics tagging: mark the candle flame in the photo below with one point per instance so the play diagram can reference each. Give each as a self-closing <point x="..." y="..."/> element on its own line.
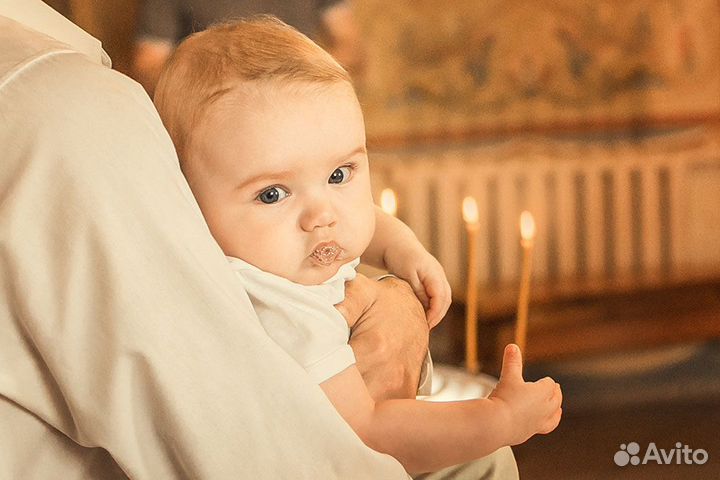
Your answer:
<point x="527" y="226"/>
<point x="470" y="210"/>
<point x="388" y="201"/>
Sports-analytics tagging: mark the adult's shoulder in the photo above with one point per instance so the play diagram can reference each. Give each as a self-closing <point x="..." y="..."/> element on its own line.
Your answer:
<point x="45" y="83"/>
<point x="63" y="88"/>
<point x="65" y="103"/>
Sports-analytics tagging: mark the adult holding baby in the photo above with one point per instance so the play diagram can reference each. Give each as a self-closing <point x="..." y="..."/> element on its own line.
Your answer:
<point x="129" y="350"/>
<point x="271" y="138"/>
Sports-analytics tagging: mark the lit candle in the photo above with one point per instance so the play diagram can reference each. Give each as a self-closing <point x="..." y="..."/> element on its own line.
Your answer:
<point x="470" y="216"/>
<point x="527" y="235"/>
<point x="388" y="201"/>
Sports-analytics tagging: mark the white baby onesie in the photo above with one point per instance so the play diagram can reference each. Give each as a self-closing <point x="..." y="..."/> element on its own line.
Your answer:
<point x="302" y="319"/>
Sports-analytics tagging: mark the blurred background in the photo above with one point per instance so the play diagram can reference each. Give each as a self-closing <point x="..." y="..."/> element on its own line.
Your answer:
<point x="601" y="118"/>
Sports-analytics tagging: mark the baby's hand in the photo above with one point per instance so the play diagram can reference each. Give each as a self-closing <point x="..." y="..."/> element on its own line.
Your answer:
<point x="411" y="262"/>
<point x="532" y="407"/>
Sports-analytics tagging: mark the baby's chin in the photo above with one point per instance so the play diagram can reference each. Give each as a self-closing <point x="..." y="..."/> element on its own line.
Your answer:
<point x="317" y="274"/>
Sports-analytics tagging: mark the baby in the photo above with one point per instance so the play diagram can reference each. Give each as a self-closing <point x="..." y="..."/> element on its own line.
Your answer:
<point x="271" y="138"/>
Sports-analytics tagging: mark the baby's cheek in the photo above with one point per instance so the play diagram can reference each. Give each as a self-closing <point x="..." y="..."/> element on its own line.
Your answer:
<point x="273" y="255"/>
<point x="366" y="229"/>
<point x="357" y="214"/>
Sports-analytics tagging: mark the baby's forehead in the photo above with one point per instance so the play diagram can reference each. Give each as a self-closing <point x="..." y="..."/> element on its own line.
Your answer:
<point x="269" y="120"/>
<point x="277" y="91"/>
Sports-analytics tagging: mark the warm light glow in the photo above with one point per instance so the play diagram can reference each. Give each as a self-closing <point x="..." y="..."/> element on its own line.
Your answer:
<point x="527" y="226"/>
<point x="470" y="210"/>
<point x="388" y="201"/>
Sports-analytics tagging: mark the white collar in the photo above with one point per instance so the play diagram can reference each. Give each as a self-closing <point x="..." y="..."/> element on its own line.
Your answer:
<point x="345" y="272"/>
<point x="41" y="17"/>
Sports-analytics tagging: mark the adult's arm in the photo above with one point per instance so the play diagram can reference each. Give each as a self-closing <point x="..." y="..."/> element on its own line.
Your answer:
<point x="125" y="335"/>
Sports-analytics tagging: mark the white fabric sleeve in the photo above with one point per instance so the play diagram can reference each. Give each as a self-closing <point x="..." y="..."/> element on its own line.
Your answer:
<point x="301" y="319"/>
<point x="123" y="327"/>
<point x="332" y="364"/>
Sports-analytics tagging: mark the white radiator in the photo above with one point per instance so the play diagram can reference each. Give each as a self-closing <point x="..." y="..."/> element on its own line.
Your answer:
<point x="606" y="213"/>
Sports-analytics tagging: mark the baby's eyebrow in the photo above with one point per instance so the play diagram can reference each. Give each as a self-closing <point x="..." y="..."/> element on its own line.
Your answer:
<point x="265" y="177"/>
<point x="358" y="150"/>
<point x="270" y="177"/>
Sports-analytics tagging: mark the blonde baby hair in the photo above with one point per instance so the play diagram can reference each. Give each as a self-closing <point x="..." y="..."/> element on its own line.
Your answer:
<point x="207" y="65"/>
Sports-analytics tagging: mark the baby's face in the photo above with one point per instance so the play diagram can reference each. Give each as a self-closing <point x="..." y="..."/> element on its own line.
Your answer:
<point x="282" y="179"/>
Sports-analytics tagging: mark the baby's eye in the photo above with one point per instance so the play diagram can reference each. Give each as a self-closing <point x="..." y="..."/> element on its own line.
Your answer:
<point x="272" y="195"/>
<point x="340" y="175"/>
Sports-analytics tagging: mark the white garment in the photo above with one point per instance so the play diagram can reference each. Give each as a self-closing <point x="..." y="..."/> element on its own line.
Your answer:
<point x="302" y="318"/>
<point x="128" y="349"/>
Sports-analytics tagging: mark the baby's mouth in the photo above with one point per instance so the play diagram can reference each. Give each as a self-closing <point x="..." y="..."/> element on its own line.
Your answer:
<point x="326" y="253"/>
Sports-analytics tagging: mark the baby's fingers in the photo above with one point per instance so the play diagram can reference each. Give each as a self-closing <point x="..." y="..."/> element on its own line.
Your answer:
<point x="418" y="289"/>
<point x="440" y="299"/>
<point x="422" y="296"/>
<point x="552" y="422"/>
<point x="436" y="312"/>
<point x="557" y="396"/>
<point x="554" y="410"/>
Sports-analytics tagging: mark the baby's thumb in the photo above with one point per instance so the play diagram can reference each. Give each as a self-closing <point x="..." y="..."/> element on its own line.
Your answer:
<point x="512" y="364"/>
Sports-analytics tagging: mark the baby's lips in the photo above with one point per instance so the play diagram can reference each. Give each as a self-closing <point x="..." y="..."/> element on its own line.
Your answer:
<point x="326" y="253"/>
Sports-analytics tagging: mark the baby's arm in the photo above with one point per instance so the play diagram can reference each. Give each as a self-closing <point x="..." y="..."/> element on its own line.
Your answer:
<point x="427" y="436"/>
<point x="388" y="231"/>
<point x="395" y="247"/>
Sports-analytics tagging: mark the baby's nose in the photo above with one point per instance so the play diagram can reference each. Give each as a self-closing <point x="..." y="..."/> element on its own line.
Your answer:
<point x="319" y="214"/>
